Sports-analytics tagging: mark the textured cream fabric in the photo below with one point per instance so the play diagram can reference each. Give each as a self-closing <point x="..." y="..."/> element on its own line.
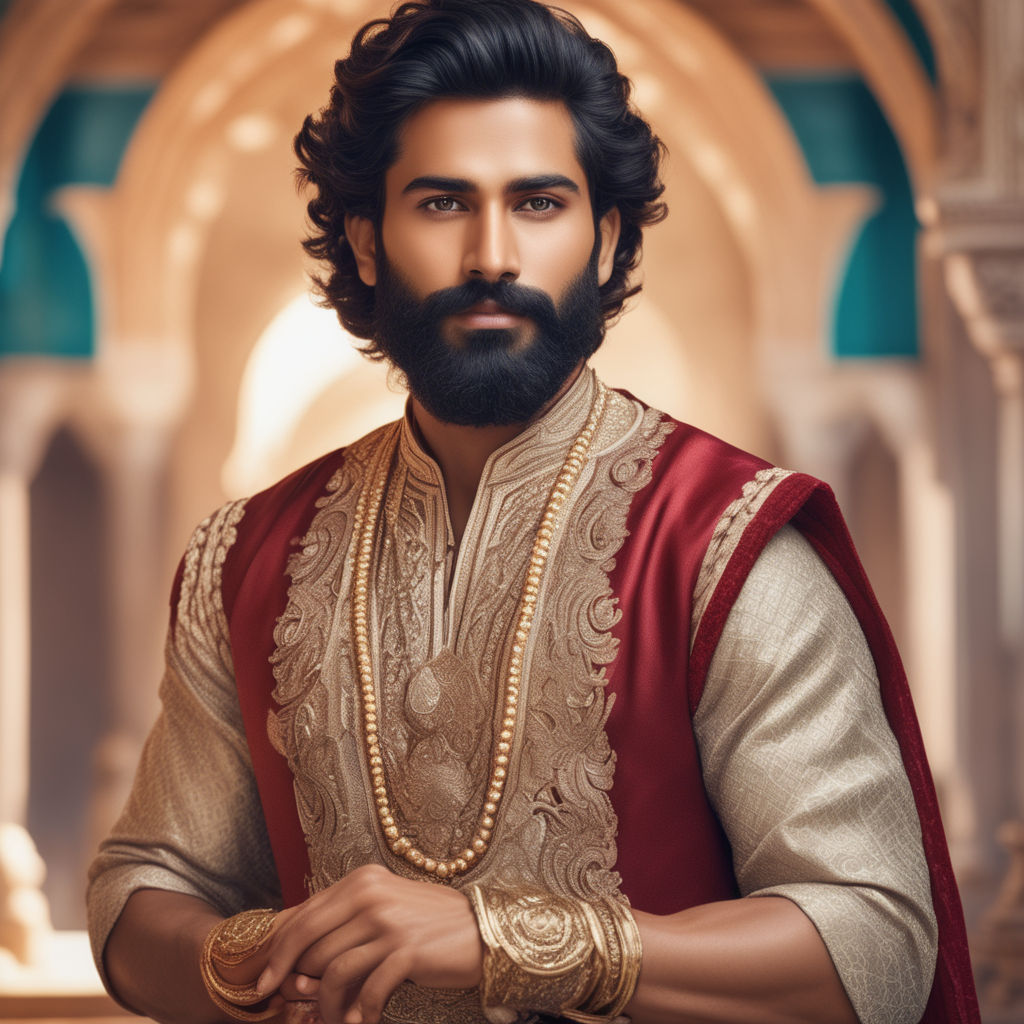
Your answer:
<point x="833" y="829"/>
<point x="193" y="822"/>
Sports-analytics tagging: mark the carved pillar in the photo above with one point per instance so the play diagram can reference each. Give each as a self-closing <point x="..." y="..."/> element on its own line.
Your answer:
<point x="33" y="395"/>
<point x="129" y="426"/>
<point x="976" y="229"/>
<point x="984" y="245"/>
<point x="31" y="399"/>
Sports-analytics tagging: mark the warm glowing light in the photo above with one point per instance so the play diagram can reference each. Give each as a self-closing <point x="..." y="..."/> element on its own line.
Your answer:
<point x="251" y="132"/>
<point x="290" y="30"/>
<point x="205" y="199"/>
<point x="183" y="244"/>
<point x="297" y="357"/>
<point x="209" y="99"/>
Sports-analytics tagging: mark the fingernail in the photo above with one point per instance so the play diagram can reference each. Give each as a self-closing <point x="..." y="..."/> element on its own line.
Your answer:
<point x="261" y="984"/>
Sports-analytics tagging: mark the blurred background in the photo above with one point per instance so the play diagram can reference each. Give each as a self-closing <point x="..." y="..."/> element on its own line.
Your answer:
<point x="839" y="288"/>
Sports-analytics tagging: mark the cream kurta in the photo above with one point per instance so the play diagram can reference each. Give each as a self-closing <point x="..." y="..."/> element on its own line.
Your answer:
<point x="833" y="829"/>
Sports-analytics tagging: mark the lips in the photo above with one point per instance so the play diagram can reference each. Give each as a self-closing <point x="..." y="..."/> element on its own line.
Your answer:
<point x="488" y="314"/>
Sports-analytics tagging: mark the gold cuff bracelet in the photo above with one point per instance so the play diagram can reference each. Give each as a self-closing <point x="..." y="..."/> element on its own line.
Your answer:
<point x="553" y="954"/>
<point x="230" y="943"/>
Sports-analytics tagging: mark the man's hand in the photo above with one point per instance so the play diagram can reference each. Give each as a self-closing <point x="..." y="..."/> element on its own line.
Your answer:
<point x="367" y="934"/>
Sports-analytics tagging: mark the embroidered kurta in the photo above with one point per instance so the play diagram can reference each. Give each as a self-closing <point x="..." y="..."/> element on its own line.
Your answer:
<point x="801" y="776"/>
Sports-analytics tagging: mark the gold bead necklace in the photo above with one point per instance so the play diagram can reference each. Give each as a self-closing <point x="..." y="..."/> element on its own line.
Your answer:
<point x="363" y="530"/>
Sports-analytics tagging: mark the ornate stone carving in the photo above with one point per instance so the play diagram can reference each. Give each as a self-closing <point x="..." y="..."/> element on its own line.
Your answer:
<point x="987" y="285"/>
<point x="1000" y="280"/>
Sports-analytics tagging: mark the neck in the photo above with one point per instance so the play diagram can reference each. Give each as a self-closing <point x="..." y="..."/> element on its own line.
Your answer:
<point x="462" y="452"/>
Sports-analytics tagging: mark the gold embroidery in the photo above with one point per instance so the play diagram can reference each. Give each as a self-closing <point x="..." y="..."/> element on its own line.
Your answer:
<point x="316" y="720"/>
<point x="201" y="574"/>
<point x="440" y="645"/>
<point x="726" y="536"/>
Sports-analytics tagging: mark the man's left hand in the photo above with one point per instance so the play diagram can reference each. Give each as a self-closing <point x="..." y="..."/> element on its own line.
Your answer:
<point x="362" y="937"/>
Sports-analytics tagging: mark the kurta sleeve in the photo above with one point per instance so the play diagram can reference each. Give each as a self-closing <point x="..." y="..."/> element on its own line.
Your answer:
<point x="806" y="777"/>
<point x="193" y="822"/>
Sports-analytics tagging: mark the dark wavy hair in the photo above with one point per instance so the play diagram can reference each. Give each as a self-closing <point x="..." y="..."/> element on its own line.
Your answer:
<point x="481" y="49"/>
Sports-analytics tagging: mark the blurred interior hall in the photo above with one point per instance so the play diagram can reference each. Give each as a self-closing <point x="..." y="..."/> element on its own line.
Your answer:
<point x="839" y="288"/>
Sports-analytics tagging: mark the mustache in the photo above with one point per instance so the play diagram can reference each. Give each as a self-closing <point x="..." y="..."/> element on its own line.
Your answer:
<point x="518" y="299"/>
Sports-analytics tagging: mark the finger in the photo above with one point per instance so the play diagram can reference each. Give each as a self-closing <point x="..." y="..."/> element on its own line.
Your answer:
<point x="344" y="976"/>
<point x="316" y="918"/>
<point x="318" y="957"/>
<point x="378" y="988"/>
<point x="297" y="987"/>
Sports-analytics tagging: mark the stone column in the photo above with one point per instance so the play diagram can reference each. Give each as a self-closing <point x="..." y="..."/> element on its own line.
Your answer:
<point x="984" y="245"/>
<point x="976" y="228"/>
<point x="129" y="426"/>
<point x="33" y="396"/>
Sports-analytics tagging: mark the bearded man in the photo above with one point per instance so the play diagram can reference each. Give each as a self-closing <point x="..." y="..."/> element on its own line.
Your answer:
<point x="559" y="708"/>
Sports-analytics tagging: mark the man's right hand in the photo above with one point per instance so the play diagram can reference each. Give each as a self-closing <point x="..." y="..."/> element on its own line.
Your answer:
<point x="365" y="935"/>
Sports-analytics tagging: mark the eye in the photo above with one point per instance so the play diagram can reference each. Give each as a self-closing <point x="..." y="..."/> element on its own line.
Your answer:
<point x="442" y="204"/>
<point x="540" y="204"/>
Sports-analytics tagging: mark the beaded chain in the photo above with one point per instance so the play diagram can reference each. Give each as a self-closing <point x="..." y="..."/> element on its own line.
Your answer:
<point x="364" y="528"/>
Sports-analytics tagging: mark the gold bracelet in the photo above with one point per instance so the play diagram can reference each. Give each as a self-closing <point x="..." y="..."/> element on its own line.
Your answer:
<point x="230" y="943"/>
<point x="552" y="954"/>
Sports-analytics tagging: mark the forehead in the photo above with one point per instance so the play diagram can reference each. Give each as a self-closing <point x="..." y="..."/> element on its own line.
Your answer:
<point x="487" y="142"/>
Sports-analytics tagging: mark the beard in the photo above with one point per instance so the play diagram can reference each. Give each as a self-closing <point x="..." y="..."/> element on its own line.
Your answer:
<point x="494" y="377"/>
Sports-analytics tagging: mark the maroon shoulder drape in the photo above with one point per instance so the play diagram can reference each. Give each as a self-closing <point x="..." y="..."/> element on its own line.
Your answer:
<point x="657" y="686"/>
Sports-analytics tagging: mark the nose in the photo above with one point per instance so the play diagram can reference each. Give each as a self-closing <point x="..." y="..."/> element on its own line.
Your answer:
<point x="492" y="252"/>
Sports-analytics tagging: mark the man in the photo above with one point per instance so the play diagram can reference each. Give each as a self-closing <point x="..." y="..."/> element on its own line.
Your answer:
<point x="557" y="707"/>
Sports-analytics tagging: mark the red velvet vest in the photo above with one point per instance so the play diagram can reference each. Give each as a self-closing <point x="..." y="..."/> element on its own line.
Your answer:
<point x="657" y="682"/>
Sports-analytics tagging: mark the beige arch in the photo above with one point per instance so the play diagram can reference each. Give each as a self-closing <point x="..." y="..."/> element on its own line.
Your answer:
<point x="147" y="233"/>
<point x="954" y="27"/>
<point x="38" y="39"/>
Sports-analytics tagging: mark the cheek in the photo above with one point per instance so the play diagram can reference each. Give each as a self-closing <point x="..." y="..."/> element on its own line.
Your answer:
<point x="554" y="262"/>
<point x="427" y="261"/>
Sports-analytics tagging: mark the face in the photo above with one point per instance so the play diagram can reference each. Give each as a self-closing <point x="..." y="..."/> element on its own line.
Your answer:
<point x="487" y="263"/>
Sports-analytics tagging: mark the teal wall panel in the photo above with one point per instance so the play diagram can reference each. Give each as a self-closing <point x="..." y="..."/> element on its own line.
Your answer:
<point x="846" y="139"/>
<point x="46" y="305"/>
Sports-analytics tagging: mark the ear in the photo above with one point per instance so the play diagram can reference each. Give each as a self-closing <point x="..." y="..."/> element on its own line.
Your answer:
<point x="608" y="228"/>
<point x="362" y="236"/>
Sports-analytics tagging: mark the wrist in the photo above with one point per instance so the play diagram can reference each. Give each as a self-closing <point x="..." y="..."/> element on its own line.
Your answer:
<point x="229" y="964"/>
<point x="554" y="954"/>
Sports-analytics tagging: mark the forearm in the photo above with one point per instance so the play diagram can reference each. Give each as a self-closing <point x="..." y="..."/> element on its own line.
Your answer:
<point x="749" y="959"/>
<point x="152" y="956"/>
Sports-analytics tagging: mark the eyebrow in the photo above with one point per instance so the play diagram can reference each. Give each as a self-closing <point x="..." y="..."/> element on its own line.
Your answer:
<point x="463" y="186"/>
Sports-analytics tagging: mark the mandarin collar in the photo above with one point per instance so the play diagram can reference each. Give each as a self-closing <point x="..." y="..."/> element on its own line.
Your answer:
<point x="542" y="441"/>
